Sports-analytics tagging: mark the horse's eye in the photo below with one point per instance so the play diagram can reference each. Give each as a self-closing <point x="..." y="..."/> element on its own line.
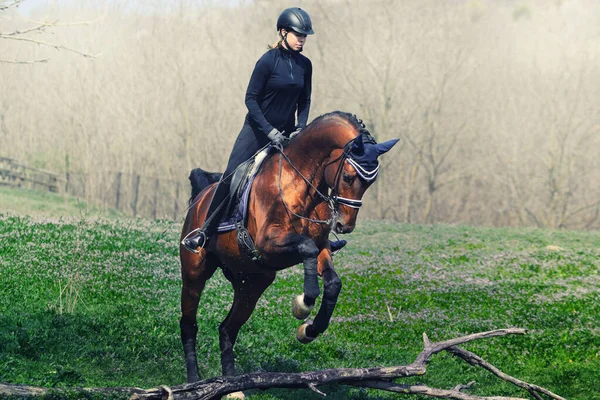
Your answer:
<point x="348" y="178"/>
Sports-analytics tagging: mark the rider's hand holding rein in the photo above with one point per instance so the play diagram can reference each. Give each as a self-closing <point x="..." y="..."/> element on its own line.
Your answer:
<point x="293" y="134"/>
<point x="276" y="137"/>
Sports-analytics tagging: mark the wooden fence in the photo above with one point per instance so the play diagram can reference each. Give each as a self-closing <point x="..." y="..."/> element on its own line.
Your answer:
<point x="132" y="194"/>
<point x="14" y="173"/>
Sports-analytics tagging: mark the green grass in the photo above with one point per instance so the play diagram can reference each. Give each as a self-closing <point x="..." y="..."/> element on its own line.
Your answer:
<point x="444" y="280"/>
<point x="46" y="204"/>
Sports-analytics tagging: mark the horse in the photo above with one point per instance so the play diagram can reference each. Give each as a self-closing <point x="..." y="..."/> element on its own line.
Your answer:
<point x="301" y="193"/>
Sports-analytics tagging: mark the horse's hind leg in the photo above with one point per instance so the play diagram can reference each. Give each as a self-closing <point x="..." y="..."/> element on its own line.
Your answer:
<point x="247" y="291"/>
<point x="195" y="271"/>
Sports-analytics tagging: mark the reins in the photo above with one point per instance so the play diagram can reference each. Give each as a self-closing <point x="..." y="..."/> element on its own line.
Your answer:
<point x="323" y="196"/>
<point x="332" y="200"/>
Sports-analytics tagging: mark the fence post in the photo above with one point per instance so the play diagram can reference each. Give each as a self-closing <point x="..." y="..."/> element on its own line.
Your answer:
<point x="67" y="173"/>
<point x="155" y="198"/>
<point x="118" y="191"/>
<point x="175" y="207"/>
<point x="136" y="195"/>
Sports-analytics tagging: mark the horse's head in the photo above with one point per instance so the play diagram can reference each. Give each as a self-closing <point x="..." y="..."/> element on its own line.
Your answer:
<point x="350" y="175"/>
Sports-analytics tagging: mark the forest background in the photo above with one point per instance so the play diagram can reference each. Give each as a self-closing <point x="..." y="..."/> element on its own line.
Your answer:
<point x="496" y="103"/>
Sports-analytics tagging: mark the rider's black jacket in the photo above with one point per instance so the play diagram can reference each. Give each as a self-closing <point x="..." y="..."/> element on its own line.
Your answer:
<point x="280" y="85"/>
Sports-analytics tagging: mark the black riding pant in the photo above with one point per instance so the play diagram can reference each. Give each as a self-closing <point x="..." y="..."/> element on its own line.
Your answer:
<point x="249" y="141"/>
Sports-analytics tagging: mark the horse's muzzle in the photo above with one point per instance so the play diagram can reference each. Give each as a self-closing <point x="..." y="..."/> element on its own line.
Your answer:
<point x="341" y="228"/>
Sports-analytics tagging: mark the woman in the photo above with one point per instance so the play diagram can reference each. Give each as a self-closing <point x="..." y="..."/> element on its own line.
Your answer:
<point x="280" y="87"/>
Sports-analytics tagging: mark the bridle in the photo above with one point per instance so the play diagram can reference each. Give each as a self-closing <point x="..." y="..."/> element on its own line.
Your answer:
<point x="333" y="199"/>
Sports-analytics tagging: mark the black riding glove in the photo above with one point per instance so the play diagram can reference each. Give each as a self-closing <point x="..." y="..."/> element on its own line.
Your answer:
<point x="297" y="131"/>
<point x="276" y="137"/>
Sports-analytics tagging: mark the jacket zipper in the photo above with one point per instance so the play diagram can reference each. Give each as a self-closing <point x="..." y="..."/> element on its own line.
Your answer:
<point x="291" y="71"/>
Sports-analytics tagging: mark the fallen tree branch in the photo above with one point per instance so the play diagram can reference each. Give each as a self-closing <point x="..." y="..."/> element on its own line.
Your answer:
<point x="426" y="391"/>
<point x="375" y="378"/>
<point x="477" y="361"/>
<point x="35" y="391"/>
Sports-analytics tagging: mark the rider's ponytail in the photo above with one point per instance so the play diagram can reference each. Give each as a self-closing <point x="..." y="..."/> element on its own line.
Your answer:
<point x="277" y="43"/>
<point x="274" y="45"/>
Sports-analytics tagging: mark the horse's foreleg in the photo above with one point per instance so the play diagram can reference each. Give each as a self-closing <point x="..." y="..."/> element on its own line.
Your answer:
<point x="247" y="291"/>
<point x="308" y="252"/>
<point x="332" y="285"/>
<point x="280" y="245"/>
<point x="195" y="272"/>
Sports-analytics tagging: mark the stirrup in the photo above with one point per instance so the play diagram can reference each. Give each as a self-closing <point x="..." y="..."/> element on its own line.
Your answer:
<point x="188" y="243"/>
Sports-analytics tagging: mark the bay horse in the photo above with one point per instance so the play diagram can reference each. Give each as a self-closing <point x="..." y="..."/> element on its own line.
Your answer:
<point x="299" y="196"/>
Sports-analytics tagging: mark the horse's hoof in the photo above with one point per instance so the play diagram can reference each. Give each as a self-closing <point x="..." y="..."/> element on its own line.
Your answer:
<point x="301" y="333"/>
<point x="300" y="309"/>
<point x="236" y="395"/>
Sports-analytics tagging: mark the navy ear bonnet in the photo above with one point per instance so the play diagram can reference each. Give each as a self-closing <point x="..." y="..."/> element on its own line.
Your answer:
<point x="363" y="155"/>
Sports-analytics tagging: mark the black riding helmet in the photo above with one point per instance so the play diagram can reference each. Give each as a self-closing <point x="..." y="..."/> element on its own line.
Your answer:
<point x="295" y="19"/>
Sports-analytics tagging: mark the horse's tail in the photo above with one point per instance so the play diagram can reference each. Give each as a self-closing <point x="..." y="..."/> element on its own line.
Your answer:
<point x="200" y="179"/>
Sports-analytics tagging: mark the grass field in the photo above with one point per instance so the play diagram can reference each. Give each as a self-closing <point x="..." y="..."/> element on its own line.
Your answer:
<point x="45" y="204"/>
<point x="95" y="302"/>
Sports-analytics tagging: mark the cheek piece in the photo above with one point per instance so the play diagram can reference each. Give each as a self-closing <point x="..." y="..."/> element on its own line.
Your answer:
<point x="288" y="45"/>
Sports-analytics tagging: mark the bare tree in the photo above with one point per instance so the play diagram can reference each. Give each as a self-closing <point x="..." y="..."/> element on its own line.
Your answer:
<point x="552" y="177"/>
<point x="495" y="129"/>
<point x="26" y="29"/>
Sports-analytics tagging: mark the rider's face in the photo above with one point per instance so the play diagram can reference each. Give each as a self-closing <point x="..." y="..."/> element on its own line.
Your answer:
<point x="295" y="40"/>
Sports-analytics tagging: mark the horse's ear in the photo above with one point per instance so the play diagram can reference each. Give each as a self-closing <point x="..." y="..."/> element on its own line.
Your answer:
<point x="358" y="147"/>
<point x="385" y="146"/>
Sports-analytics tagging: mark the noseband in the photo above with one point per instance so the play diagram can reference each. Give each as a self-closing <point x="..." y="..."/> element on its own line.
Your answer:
<point x="335" y="199"/>
<point x="368" y="176"/>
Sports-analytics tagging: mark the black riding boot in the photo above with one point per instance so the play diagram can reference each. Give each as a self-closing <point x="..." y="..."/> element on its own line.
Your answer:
<point x="337" y="245"/>
<point x="200" y="239"/>
<point x="211" y="223"/>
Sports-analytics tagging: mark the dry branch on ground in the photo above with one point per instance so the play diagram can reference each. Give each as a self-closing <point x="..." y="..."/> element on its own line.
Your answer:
<point x="376" y="378"/>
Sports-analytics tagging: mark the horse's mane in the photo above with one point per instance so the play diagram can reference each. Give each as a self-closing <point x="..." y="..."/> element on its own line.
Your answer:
<point x="357" y="123"/>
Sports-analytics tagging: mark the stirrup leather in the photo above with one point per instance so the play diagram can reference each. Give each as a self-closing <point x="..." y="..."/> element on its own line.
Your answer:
<point x="246" y="243"/>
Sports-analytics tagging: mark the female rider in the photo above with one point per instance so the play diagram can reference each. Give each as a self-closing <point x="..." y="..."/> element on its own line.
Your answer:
<point x="280" y="87"/>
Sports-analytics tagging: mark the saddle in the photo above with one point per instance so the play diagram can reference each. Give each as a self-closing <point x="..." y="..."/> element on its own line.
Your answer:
<point x="239" y="191"/>
<point x="236" y="214"/>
